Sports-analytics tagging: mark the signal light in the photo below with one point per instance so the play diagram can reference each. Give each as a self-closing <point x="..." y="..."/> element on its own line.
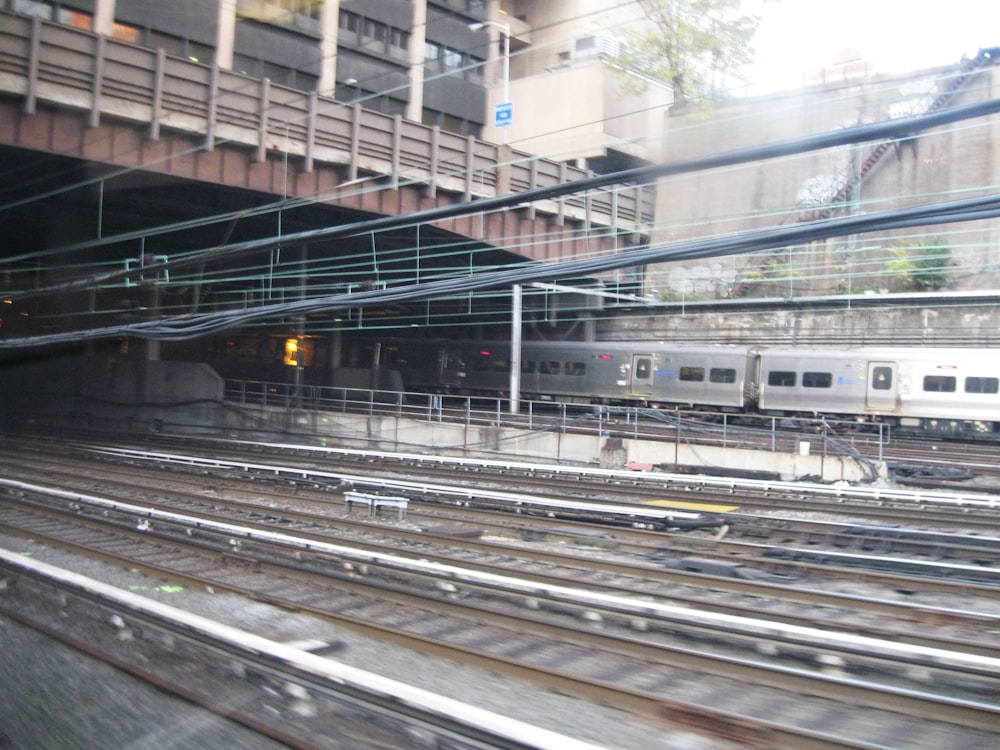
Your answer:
<point x="291" y="352"/>
<point x="606" y="356"/>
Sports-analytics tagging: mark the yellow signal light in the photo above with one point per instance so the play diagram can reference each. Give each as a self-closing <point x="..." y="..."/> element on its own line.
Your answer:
<point x="292" y="352"/>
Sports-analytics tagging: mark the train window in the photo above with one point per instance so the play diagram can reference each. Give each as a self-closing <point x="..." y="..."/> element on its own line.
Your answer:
<point x="939" y="383"/>
<point x="550" y="368"/>
<point x="692" y="374"/>
<point x="500" y="365"/>
<point x="982" y="385"/>
<point x="722" y="375"/>
<point x="576" y="368"/>
<point x="643" y="368"/>
<point x="781" y="378"/>
<point x="882" y="379"/>
<point x="529" y="366"/>
<point x="817" y="380"/>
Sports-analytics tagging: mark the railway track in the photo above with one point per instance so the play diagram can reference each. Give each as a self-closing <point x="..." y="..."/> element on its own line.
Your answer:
<point x="768" y="511"/>
<point x="279" y="691"/>
<point x="807" y="547"/>
<point x="787" y="600"/>
<point x="572" y="657"/>
<point x="569" y="622"/>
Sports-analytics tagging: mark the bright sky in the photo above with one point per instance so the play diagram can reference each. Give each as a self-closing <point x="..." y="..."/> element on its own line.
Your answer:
<point x="895" y="35"/>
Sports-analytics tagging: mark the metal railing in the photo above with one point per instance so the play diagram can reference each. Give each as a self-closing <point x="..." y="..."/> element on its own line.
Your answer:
<point x="817" y="436"/>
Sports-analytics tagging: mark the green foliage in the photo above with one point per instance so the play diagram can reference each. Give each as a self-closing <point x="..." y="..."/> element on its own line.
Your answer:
<point x="920" y="268"/>
<point x="695" y="45"/>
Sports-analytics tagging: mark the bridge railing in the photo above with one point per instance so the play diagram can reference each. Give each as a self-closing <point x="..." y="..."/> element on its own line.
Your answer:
<point x="60" y="66"/>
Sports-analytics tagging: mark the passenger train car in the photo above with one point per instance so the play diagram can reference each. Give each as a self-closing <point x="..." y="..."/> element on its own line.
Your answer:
<point x="933" y="389"/>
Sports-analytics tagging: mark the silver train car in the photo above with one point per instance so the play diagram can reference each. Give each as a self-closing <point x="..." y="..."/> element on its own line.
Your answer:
<point x="930" y="389"/>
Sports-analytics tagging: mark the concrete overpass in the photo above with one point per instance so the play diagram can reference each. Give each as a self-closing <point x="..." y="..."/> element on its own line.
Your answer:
<point x="127" y="110"/>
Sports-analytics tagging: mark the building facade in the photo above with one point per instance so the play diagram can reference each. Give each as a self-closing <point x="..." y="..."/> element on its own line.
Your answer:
<point x="418" y="59"/>
<point x="570" y="100"/>
<point x="441" y="62"/>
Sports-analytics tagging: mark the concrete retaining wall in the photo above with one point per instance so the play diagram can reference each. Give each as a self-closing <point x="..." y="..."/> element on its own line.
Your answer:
<point x="403" y="435"/>
<point x="133" y="397"/>
<point x="114" y="395"/>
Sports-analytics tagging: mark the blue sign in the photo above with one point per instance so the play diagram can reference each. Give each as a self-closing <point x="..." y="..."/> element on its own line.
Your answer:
<point x="504" y="114"/>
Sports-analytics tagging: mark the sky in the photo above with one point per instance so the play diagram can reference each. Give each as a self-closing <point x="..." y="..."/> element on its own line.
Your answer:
<point x="894" y="35"/>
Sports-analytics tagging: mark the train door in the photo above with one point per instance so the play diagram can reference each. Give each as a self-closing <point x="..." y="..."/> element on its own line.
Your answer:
<point x="641" y="379"/>
<point x="882" y="387"/>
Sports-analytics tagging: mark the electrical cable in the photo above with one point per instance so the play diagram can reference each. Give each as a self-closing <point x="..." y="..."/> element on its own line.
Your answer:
<point x="893" y="129"/>
<point x="192" y="326"/>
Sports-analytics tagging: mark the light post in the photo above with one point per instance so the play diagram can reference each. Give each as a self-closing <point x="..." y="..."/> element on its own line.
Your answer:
<point x="505" y="110"/>
<point x="504" y="117"/>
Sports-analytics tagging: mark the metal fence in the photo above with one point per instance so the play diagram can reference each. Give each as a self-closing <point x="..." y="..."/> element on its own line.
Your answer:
<point x="723" y="429"/>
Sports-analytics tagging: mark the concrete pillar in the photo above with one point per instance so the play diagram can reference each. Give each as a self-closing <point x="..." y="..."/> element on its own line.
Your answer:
<point x="335" y="351"/>
<point x="225" y="37"/>
<point x="104" y="17"/>
<point x="329" y="26"/>
<point x="415" y="58"/>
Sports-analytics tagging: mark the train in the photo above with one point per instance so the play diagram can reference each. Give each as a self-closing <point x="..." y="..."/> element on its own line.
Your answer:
<point x="934" y="390"/>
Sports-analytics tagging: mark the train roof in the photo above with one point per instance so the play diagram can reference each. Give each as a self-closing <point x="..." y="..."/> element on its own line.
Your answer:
<point x="888" y="352"/>
<point x="640" y="346"/>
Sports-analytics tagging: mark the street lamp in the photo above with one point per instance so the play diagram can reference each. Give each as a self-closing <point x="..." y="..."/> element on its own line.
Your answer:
<point x="506" y="103"/>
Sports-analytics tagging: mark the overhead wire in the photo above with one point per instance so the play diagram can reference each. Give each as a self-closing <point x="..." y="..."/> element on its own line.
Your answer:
<point x="273" y="206"/>
<point x="345" y="267"/>
<point x="904" y="128"/>
<point x="193" y="326"/>
<point x="293" y="239"/>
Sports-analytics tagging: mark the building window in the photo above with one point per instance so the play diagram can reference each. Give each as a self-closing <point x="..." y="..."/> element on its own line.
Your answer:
<point x="452" y="59"/>
<point x="349" y="22"/>
<point x="77" y="19"/>
<point x="375" y="30"/>
<point x="292" y="13"/>
<point x="476" y="70"/>
<point x="172" y="45"/>
<point x="248" y="66"/>
<point x="127" y="33"/>
<point x="399" y="39"/>
<point x="33" y="8"/>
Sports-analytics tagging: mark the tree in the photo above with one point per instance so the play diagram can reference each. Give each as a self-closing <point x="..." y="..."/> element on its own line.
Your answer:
<point x="920" y="268"/>
<point x="695" y="45"/>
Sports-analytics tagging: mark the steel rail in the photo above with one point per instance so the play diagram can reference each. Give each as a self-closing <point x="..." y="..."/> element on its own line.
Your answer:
<point x="713" y="718"/>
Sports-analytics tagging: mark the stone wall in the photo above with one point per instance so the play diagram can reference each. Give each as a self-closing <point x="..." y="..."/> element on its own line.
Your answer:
<point x="941" y="165"/>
